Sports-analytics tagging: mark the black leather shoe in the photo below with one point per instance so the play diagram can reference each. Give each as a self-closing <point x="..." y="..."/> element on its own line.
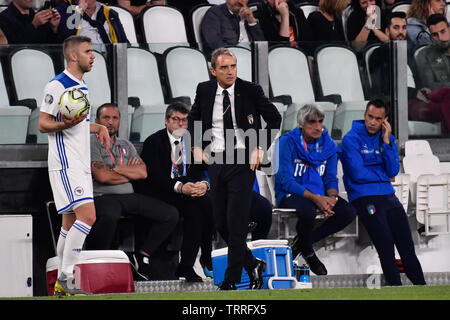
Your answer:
<point x="188" y="273"/>
<point x="226" y="286"/>
<point x="315" y="265"/>
<point x="256" y="275"/>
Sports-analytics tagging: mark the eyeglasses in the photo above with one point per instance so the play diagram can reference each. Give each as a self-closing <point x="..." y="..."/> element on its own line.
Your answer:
<point x="182" y="120"/>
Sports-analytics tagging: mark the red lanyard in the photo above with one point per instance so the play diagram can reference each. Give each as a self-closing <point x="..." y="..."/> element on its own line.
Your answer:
<point x="120" y="155"/>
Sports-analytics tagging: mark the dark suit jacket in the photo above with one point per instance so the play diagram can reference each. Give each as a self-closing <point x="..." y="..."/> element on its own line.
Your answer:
<point x="220" y="28"/>
<point x="250" y="104"/>
<point x="156" y="153"/>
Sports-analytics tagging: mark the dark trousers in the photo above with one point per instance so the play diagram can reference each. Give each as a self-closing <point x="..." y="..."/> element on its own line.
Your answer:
<point x="388" y="226"/>
<point x="261" y="213"/>
<point x="231" y="190"/>
<point x="159" y="217"/>
<point x="198" y="226"/>
<point x="307" y="211"/>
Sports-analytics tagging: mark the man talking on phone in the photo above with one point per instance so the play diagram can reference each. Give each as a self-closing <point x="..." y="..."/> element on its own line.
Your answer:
<point x="229" y="24"/>
<point x="370" y="162"/>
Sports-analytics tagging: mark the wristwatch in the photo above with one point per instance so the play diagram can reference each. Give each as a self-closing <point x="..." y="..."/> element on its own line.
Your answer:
<point x="208" y="186"/>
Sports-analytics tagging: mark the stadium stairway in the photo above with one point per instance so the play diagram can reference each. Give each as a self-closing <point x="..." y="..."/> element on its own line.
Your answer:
<point x="329" y="281"/>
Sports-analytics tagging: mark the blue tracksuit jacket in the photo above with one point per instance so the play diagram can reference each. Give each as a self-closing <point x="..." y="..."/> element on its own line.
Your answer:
<point x="314" y="168"/>
<point x="368" y="162"/>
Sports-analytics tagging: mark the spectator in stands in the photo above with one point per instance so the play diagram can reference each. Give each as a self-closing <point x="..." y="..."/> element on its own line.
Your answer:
<point x="379" y="60"/>
<point x="20" y="24"/>
<point x="173" y="180"/>
<point x="137" y="6"/>
<point x="433" y="66"/>
<point x="363" y="24"/>
<point x="281" y="21"/>
<point x="433" y="62"/>
<point x="326" y="23"/>
<point x="306" y="180"/>
<point x="92" y="19"/>
<point x="114" y="196"/>
<point x="418" y="33"/>
<point x="370" y="160"/>
<point x="229" y="24"/>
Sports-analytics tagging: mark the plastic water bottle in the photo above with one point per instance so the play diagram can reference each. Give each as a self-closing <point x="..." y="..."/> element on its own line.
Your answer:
<point x="304" y="273"/>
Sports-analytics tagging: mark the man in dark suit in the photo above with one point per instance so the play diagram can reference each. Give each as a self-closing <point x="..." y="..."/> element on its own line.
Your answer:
<point x="229" y="24"/>
<point x="230" y="109"/>
<point x="172" y="179"/>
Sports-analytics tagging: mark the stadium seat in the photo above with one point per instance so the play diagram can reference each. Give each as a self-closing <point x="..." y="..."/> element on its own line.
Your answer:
<point x="163" y="27"/>
<point x="367" y="54"/>
<point x="308" y="8"/>
<point x="144" y="83"/>
<point x="433" y="203"/>
<point x="447" y="10"/>
<point x="401" y="7"/>
<point x="244" y="62"/>
<point x="345" y="14"/>
<point x="338" y="74"/>
<point x="289" y="75"/>
<point x="31" y="70"/>
<point x="185" y="68"/>
<point x="97" y="81"/>
<point x="401" y="187"/>
<point x="197" y="14"/>
<point x="13" y="119"/>
<point x="428" y="186"/>
<point x="126" y="18"/>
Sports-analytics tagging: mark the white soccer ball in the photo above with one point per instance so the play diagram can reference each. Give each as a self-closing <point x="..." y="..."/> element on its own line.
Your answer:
<point x="74" y="102"/>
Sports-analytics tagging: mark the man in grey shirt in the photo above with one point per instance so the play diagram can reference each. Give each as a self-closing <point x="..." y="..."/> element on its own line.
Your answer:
<point x="114" y="196"/>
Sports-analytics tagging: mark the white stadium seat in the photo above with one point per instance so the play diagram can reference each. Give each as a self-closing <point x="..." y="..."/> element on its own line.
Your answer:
<point x="144" y="83"/>
<point x="289" y="74"/>
<point x="163" y="28"/>
<point x="343" y="79"/>
<point x="26" y="62"/>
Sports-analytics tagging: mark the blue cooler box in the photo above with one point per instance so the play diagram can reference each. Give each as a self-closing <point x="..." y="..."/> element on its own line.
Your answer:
<point x="279" y="273"/>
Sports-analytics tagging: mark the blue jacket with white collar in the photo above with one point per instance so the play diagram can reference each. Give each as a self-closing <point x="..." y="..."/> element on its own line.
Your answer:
<point x="303" y="165"/>
<point x="368" y="162"/>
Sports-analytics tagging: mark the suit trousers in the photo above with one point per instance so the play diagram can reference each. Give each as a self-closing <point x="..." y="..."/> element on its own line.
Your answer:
<point x="387" y="224"/>
<point x="160" y="219"/>
<point x="231" y="190"/>
<point x="198" y="226"/>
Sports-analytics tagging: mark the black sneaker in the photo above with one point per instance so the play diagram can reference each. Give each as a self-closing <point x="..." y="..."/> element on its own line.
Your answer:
<point x="315" y="265"/>
<point x="141" y="266"/>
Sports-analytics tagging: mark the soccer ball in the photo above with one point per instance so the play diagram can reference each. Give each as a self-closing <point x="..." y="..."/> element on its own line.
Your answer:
<point x="74" y="102"/>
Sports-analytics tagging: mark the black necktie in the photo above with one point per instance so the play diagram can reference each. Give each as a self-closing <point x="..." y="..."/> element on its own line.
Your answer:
<point x="227" y="121"/>
<point x="178" y="155"/>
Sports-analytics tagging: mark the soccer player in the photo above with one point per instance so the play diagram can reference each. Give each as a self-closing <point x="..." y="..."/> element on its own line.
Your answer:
<point x="69" y="160"/>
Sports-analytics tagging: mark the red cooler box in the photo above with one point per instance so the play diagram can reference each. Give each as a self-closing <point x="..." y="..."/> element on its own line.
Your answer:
<point x="279" y="273"/>
<point x="98" y="271"/>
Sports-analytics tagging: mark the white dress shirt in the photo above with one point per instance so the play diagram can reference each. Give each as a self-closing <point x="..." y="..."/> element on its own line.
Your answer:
<point x="218" y="139"/>
<point x="172" y="140"/>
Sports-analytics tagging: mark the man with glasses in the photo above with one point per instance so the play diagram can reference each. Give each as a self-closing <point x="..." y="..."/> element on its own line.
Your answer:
<point x="173" y="180"/>
<point x="113" y="172"/>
